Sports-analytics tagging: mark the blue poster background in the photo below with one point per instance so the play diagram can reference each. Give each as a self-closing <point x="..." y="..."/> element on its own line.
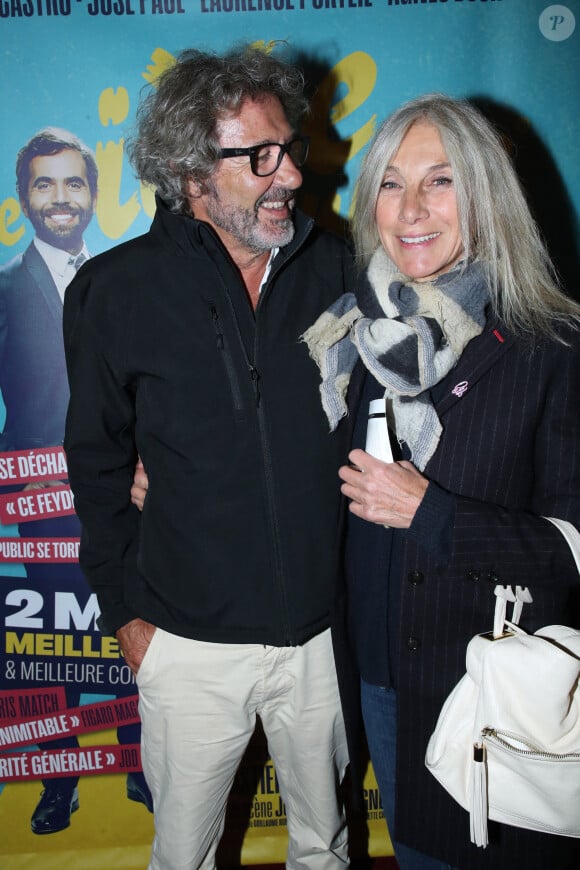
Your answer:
<point x="84" y="72"/>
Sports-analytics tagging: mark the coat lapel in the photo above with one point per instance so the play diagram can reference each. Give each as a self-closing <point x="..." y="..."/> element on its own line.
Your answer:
<point x="42" y="278"/>
<point x="478" y="357"/>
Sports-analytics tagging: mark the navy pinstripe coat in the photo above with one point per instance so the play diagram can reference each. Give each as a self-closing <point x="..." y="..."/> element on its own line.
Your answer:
<point x="510" y="452"/>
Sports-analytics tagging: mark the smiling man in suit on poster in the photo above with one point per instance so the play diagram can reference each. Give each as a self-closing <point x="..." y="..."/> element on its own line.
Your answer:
<point x="56" y="179"/>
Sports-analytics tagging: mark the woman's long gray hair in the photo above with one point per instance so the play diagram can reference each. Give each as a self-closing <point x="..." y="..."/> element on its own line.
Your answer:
<point x="176" y="138"/>
<point x="496" y="224"/>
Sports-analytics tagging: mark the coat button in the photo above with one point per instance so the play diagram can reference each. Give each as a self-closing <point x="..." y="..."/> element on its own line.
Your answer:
<point x="474" y="575"/>
<point x="413" y="643"/>
<point x="415" y="578"/>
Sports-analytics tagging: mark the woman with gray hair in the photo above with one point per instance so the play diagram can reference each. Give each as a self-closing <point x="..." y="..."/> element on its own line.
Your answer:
<point x="460" y="331"/>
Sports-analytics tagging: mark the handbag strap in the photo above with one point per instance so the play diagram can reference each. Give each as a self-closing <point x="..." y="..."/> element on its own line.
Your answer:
<point x="571" y="535"/>
<point x="522" y="595"/>
<point x="503" y="594"/>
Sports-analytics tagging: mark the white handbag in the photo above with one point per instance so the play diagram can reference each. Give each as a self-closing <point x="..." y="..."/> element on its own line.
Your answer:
<point x="507" y="742"/>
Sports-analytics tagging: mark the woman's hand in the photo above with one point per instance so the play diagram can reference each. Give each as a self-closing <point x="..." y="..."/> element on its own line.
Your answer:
<point x="384" y="493"/>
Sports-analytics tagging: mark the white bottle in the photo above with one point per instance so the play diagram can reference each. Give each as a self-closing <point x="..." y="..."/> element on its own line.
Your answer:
<point x="378" y="443"/>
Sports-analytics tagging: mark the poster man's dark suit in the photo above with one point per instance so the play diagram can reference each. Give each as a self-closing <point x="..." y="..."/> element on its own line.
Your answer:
<point x="34" y="387"/>
<point x="32" y="367"/>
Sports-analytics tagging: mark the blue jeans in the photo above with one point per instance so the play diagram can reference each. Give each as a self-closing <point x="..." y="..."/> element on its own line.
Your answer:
<point x="379" y="706"/>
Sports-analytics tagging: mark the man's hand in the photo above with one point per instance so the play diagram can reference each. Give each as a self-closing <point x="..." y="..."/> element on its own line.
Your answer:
<point x="384" y="493"/>
<point x="140" y="486"/>
<point x="134" y="639"/>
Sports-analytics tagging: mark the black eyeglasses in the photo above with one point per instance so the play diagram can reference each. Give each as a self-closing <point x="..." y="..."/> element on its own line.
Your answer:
<point x="265" y="159"/>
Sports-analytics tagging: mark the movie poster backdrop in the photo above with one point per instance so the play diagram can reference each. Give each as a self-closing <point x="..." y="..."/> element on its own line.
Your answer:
<point x="67" y="699"/>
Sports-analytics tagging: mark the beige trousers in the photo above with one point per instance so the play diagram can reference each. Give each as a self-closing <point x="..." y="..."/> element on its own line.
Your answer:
<point x="198" y="705"/>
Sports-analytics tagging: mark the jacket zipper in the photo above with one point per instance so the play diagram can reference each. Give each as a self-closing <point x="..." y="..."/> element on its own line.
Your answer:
<point x="289" y="635"/>
<point x="229" y="363"/>
<point x="253" y="371"/>
<point x="279" y="573"/>
<point x="274" y="525"/>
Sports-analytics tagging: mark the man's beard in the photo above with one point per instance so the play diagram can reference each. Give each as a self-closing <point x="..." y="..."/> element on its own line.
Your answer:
<point x="244" y="225"/>
<point x="68" y="237"/>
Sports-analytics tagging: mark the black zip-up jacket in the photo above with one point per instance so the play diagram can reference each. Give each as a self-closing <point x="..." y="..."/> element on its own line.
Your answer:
<point x="238" y="541"/>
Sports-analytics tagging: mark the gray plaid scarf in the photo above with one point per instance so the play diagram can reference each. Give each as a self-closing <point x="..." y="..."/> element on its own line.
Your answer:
<point x="408" y="335"/>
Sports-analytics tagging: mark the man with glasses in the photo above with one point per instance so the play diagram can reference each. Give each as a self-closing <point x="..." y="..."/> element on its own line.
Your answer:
<point x="184" y="348"/>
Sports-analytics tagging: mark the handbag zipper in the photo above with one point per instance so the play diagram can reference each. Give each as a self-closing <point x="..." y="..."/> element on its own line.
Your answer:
<point x="503" y="739"/>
